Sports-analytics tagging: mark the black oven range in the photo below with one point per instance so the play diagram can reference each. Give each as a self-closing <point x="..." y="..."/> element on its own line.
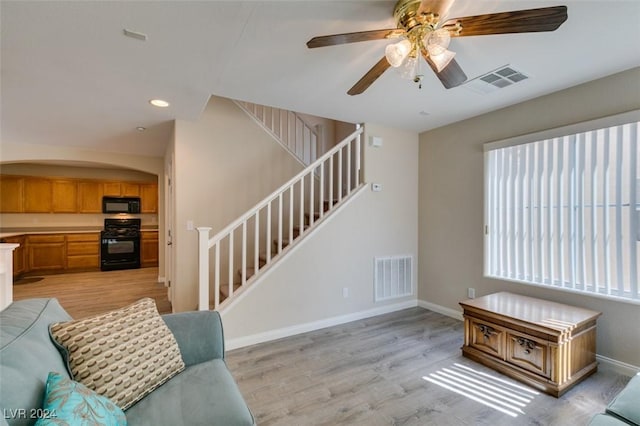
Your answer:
<point x="120" y="244"/>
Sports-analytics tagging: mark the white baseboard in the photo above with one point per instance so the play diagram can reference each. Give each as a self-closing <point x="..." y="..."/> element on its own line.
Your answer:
<point x="267" y="336"/>
<point x="441" y="309"/>
<point x="609" y="364"/>
<point x="161" y="279"/>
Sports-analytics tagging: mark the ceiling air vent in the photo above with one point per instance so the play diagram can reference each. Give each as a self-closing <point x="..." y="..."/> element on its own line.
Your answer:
<point x="496" y="79"/>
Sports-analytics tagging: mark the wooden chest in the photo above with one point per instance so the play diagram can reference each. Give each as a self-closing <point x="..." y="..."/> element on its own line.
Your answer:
<point x="547" y="345"/>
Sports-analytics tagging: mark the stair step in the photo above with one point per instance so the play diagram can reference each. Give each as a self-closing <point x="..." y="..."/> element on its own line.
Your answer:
<point x="224" y="289"/>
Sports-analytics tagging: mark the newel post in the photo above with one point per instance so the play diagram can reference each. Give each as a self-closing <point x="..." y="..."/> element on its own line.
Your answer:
<point x="203" y="268"/>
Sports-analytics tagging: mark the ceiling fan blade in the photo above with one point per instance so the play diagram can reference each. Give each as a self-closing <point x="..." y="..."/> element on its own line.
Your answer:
<point x="451" y="76"/>
<point x="334" y="39"/>
<point x="372" y="75"/>
<point x="517" y="21"/>
<point x="440" y="7"/>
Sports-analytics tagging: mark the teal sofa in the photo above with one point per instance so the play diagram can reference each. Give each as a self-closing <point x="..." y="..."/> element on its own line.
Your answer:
<point x="624" y="409"/>
<point x="204" y="393"/>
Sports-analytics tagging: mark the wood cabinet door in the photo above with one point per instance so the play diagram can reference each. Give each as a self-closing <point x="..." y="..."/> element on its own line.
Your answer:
<point x="149" y="198"/>
<point x="37" y="195"/>
<point x="149" y="248"/>
<point x="11" y="194"/>
<point x="128" y="189"/>
<point x="83" y="251"/>
<point x="46" y="252"/>
<point x="65" y="196"/>
<point x="111" y="189"/>
<point x="90" y="197"/>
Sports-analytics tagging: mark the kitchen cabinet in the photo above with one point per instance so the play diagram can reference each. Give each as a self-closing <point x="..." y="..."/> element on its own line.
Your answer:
<point x="64" y="196"/>
<point x="46" y="252"/>
<point x="121" y="189"/>
<point x="149" y="198"/>
<point x="34" y="194"/>
<point x="90" y="196"/>
<point x="111" y="189"/>
<point x="19" y="254"/>
<point x="37" y="195"/>
<point x="11" y="194"/>
<point x="149" y="248"/>
<point x="83" y="250"/>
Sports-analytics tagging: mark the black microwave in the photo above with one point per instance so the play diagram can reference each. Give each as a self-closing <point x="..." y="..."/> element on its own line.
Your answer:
<point x="120" y="204"/>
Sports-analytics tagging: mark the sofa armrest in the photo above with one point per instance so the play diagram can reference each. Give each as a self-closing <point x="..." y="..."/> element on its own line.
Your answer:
<point x="199" y="335"/>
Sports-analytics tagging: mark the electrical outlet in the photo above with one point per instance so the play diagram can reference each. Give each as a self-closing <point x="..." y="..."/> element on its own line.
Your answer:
<point x="345" y="292"/>
<point x="471" y="293"/>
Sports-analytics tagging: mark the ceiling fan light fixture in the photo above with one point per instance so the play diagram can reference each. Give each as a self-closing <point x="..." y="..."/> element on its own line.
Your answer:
<point x="441" y="61"/>
<point x="396" y="53"/>
<point x="437" y="42"/>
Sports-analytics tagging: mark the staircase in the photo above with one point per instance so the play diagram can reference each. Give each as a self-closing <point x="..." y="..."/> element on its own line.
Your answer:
<point x="289" y="129"/>
<point x="236" y="257"/>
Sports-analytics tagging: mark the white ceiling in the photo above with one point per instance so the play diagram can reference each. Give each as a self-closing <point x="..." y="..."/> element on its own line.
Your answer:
<point x="70" y="77"/>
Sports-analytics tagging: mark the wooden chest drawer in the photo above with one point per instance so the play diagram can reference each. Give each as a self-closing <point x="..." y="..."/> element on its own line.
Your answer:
<point x="528" y="353"/>
<point x="487" y="338"/>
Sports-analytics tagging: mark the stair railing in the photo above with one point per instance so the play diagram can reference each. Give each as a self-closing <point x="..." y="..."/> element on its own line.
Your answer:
<point x="286" y="127"/>
<point x="302" y="201"/>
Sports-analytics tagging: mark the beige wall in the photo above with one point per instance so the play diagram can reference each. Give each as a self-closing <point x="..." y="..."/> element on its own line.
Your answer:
<point x="223" y="164"/>
<point x="451" y="203"/>
<point x="307" y="286"/>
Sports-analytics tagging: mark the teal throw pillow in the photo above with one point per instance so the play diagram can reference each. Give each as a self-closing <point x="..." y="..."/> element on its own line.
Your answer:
<point x="67" y="402"/>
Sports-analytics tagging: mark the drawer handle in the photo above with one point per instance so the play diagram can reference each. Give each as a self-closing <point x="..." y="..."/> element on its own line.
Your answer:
<point x="527" y="344"/>
<point x="486" y="330"/>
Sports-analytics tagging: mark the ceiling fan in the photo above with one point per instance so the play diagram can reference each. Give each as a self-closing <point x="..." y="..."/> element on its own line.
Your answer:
<point x="424" y="35"/>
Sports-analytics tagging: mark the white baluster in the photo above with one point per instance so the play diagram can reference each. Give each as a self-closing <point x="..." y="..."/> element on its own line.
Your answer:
<point x="340" y="166"/>
<point x="243" y="279"/>
<point x="256" y="239"/>
<point x="349" y="168"/>
<point x="231" y="263"/>
<point x="280" y="223"/>
<point x="216" y="279"/>
<point x="203" y="268"/>
<point x="321" y="189"/>
<point x="311" y="198"/>
<point x="268" y="229"/>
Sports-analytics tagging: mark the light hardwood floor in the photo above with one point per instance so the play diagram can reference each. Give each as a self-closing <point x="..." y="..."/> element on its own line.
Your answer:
<point x="88" y="293"/>
<point x="403" y="368"/>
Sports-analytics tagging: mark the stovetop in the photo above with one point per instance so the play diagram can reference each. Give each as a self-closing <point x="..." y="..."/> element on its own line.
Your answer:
<point x="121" y="227"/>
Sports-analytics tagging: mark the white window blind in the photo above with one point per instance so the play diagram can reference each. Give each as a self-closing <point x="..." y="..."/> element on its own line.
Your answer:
<point x="564" y="211"/>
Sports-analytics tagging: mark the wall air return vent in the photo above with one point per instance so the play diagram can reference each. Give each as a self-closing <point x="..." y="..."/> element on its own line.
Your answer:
<point x="497" y="79"/>
<point x="393" y="277"/>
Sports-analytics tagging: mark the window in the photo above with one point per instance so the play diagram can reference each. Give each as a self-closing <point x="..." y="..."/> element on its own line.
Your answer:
<point x="562" y="208"/>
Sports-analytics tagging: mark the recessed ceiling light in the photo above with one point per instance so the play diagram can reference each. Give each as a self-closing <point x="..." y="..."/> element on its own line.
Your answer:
<point x="141" y="129"/>
<point x="159" y="103"/>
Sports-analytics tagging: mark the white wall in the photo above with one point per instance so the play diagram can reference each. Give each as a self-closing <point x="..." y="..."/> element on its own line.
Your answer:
<point x="451" y="203"/>
<point x="224" y="164"/>
<point x="307" y="286"/>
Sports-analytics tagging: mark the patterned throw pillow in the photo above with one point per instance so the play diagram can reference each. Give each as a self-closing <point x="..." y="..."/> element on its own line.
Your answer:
<point x="123" y="354"/>
<point x="71" y="403"/>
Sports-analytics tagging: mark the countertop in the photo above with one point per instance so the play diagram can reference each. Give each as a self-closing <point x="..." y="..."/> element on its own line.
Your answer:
<point x="12" y="232"/>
